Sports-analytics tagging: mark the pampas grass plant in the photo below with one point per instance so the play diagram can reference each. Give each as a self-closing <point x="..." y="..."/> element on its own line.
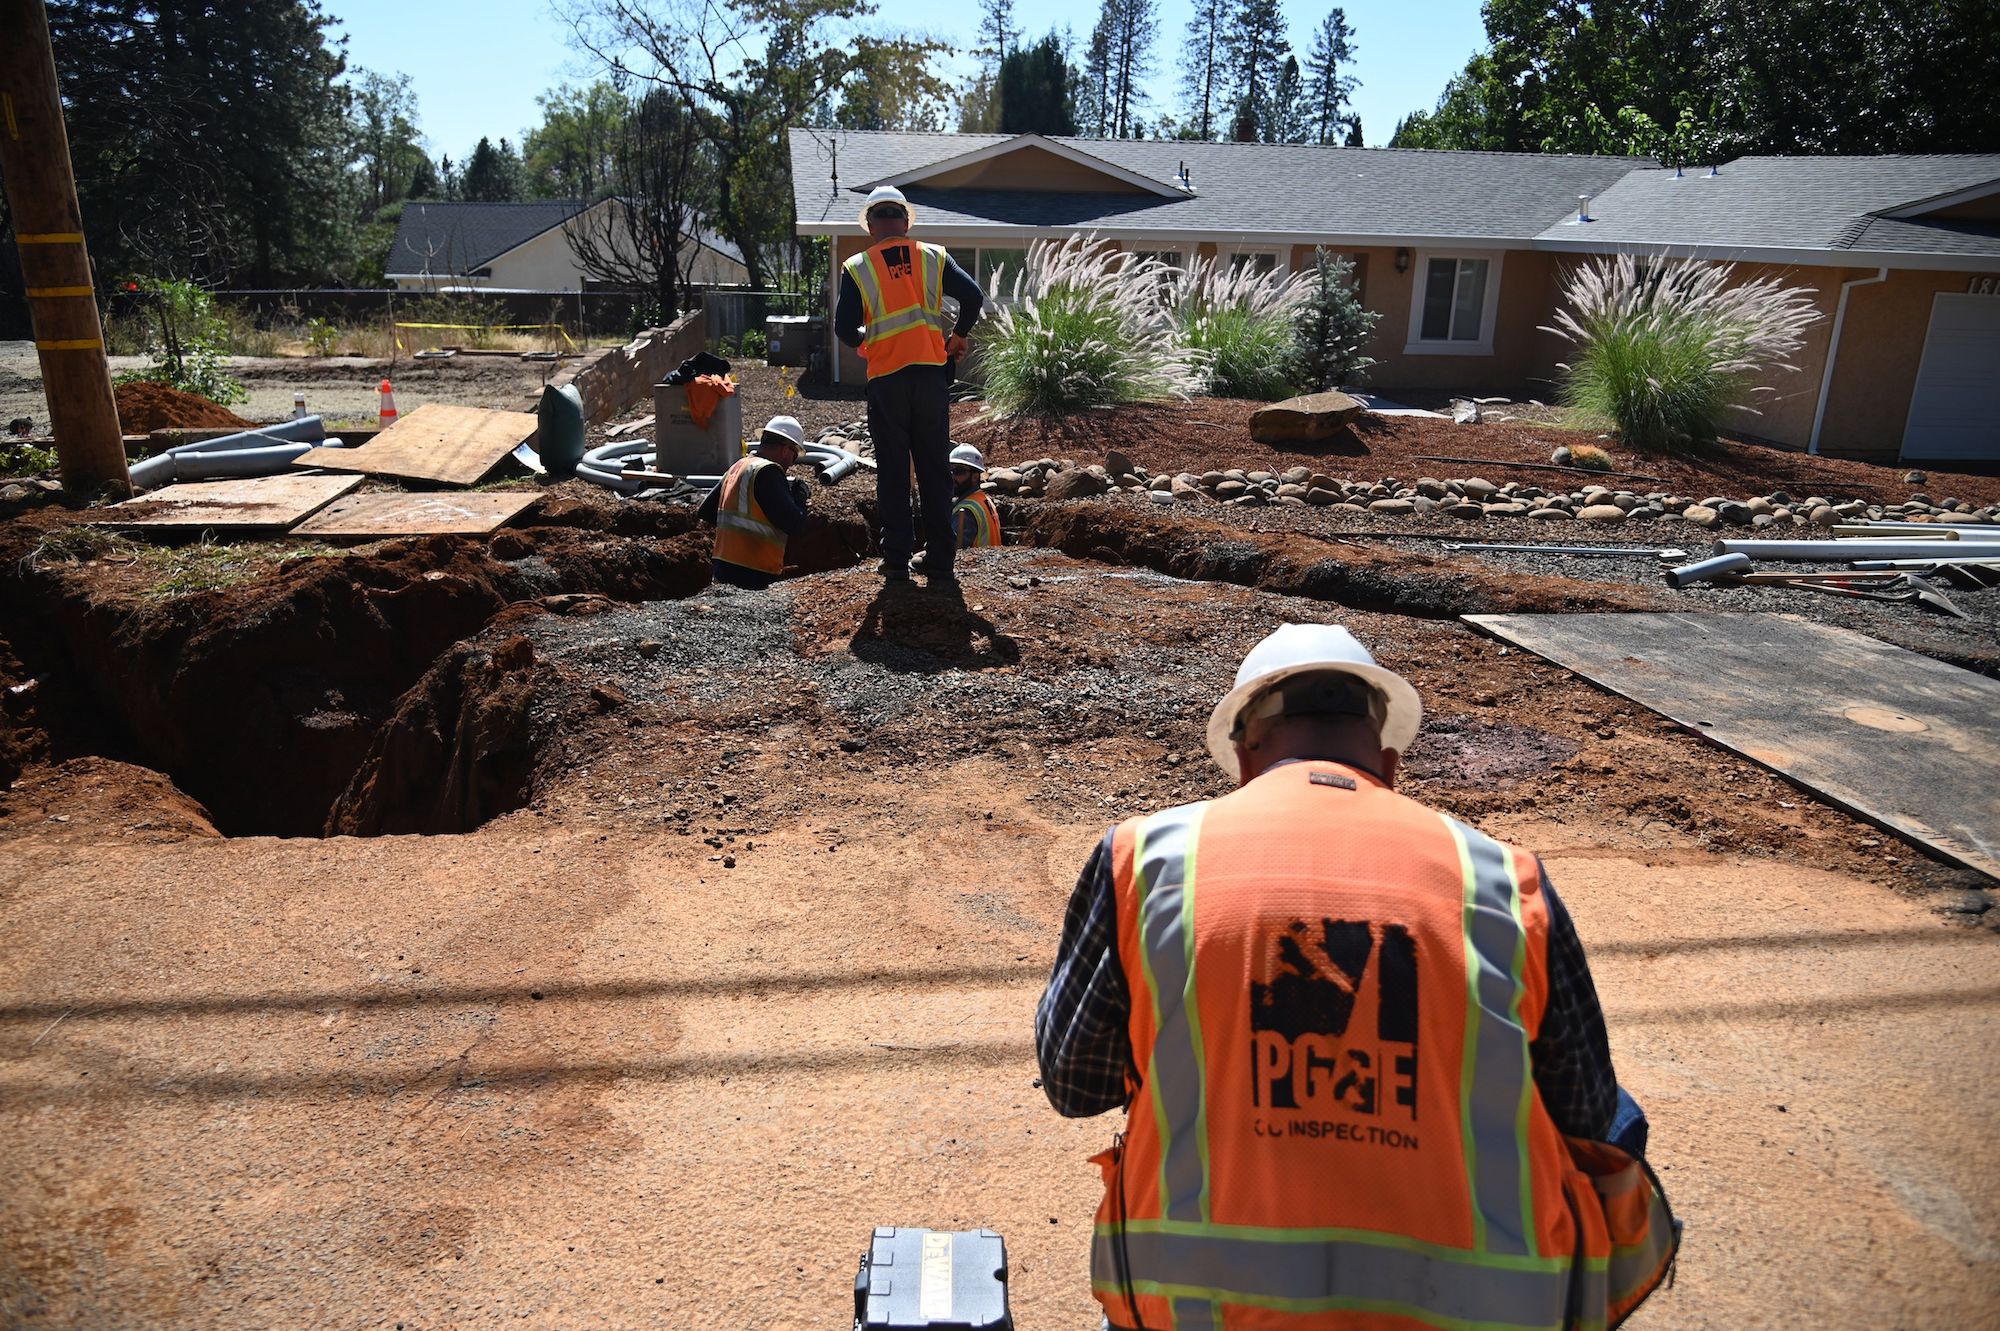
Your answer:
<point x="1241" y="325"/>
<point x="1662" y="353"/>
<point x="1083" y="326"/>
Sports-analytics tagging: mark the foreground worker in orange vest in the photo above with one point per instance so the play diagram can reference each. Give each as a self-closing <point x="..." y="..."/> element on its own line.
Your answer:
<point x="1365" y="1073"/>
<point x="891" y="308"/>
<point x="754" y="509"/>
<point x="974" y="520"/>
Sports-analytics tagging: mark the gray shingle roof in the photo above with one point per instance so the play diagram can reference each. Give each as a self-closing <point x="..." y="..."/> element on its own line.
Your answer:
<point x="1792" y="203"/>
<point x="453" y="239"/>
<point x="1240" y="189"/>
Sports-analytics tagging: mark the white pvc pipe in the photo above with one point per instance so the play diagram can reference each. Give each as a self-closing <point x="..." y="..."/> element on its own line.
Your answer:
<point x="1846" y="552"/>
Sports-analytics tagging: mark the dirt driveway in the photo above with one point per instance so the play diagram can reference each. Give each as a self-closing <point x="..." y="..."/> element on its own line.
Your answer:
<point x="660" y="1048"/>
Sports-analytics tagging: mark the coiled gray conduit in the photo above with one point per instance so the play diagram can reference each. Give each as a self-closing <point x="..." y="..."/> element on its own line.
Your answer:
<point x="602" y="465"/>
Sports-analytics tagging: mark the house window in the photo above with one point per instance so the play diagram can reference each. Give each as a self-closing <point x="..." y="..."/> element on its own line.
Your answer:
<point x="982" y="262"/>
<point x="1175" y="259"/>
<point x="1263" y="262"/>
<point x="1452" y="304"/>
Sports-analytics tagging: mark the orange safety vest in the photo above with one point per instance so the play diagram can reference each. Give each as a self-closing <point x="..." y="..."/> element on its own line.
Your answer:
<point x="1336" y="1126"/>
<point x="902" y="304"/>
<point x="985" y="517"/>
<point x="743" y="534"/>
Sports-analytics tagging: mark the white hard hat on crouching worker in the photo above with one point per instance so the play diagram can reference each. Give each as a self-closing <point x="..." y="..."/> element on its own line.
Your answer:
<point x="965" y="455"/>
<point x="783" y="430"/>
<point x="1296" y="652"/>
<point x="882" y="194"/>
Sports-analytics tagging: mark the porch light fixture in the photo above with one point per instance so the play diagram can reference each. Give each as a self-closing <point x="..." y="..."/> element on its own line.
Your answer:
<point x="1402" y="261"/>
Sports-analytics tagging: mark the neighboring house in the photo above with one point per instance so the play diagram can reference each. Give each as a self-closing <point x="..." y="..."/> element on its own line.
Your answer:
<point x="522" y="247"/>
<point x="1464" y="254"/>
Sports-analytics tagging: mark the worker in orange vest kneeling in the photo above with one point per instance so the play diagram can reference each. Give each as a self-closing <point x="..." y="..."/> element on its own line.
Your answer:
<point x="974" y="520"/>
<point x="754" y="509"/>
<point x="1365" y="1073"/>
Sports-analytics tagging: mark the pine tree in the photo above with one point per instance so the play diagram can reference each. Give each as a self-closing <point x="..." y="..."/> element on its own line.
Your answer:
<point x="1202" y="71"/>
<point x="1135" y="24"/>
<point x="1333" y="327"/>
<point x="1354" y="139"/>
<point x="1034" y="91"/>
<point x="1255" y="48"/>
<point x="1327" y="89"/>
<point x="997" y="34"/>
<point x="492" y="175"/>
<point x="1093" y="95"/>
<point x="1288" y="109"/>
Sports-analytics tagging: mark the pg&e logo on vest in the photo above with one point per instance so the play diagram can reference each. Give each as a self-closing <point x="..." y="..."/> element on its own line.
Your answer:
<point x="1333" y="1034"/>
<point x="896" y="258"/>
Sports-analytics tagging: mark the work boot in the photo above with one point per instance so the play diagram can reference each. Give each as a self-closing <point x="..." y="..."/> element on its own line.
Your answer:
<point x="894" y="570"/>
<point x="940" y="574"/>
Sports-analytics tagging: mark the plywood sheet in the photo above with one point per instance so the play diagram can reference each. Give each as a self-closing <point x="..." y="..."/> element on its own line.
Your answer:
<point x="375" y="516"/>
<point x="1910" y="744"/>
<point x="258" y="501"/>
<point x="435" y="442"/>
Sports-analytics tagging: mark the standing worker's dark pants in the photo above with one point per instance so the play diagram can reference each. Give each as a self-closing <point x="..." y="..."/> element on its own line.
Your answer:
<point x="909" y="420"/>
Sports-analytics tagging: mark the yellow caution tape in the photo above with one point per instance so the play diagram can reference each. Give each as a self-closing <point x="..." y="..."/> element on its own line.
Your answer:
<point x="74" y="344"/>
<point x="51" y="238"/>
<point x="61" y="291"/>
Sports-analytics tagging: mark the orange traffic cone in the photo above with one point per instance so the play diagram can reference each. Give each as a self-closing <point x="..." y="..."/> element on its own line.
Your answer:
<point x="388" y="416"/>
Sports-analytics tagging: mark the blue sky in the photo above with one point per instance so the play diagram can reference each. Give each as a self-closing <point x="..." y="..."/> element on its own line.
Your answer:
<point x="477" y="69"/>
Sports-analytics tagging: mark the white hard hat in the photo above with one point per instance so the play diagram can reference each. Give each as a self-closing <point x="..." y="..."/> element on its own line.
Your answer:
<point x="783" y="429"/>
<point x="887" y="194"/>
<point x="965" y="455"/>
<point x="1310" y="649"/>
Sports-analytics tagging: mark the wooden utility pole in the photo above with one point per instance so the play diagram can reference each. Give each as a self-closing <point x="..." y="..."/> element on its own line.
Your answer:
<point x="48" y="227"/>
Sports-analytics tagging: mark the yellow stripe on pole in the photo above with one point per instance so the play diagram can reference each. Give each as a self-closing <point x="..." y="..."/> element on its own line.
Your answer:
<point x="51" y="238"/>
<point x="61" y="291"/>
<point x="73" y="344"/>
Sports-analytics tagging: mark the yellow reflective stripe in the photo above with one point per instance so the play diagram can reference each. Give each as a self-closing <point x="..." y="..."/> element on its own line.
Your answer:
<point x="1336" y="1303"/>
<point x="71" y="344"/>
<point x="913" y="316"/>
<point x="62" y="291"/>
<point x="743" y="522"/>
<point x="1322" y="1236"/>
<point x="51" y="238"/>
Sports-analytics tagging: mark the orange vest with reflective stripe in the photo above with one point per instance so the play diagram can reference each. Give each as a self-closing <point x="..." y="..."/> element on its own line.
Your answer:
<point x="1336" y="1125"/>
<point x="985" y="518"/>
<point x="902" y="302"/>
<point x="743" y="534"/>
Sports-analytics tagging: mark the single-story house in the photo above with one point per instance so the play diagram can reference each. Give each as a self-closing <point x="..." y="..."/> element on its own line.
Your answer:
<point x="523" y="247"/>
<point x="1464" y="254"/>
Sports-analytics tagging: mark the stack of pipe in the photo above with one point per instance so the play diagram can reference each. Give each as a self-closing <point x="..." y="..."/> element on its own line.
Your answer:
<point x="265" y="451"/>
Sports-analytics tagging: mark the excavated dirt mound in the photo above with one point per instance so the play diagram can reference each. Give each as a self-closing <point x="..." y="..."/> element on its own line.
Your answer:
<point x="1208" y="433"/>
<point x="144" y="406"/>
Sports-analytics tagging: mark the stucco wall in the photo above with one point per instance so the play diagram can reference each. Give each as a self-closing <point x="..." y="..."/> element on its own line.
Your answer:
<point x="1523" y="360"/>
<point x="1880" y="350"/>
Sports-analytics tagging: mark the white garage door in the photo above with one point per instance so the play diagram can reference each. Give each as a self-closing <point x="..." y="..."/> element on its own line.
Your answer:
<point x="1955" y="411"/>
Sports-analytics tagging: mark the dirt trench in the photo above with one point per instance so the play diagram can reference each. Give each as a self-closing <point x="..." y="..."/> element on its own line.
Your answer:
<point x="393" y="691"/>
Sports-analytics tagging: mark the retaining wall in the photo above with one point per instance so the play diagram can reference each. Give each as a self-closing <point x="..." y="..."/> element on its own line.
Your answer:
<point x="617" y="377"/>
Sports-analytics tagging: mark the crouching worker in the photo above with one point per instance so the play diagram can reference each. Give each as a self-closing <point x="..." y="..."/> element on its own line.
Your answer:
<point x="974" y="520"/>
<point x="1363" y="1067"/>
<point x="754" y="508"/>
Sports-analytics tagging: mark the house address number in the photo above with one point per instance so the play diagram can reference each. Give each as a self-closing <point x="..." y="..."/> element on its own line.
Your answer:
<point x="1983" y="286"/>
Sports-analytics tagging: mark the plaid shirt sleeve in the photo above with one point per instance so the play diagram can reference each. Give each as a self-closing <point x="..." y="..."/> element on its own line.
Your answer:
<point x="1082" y="1036"/>
<point x="1571" y="1054"/>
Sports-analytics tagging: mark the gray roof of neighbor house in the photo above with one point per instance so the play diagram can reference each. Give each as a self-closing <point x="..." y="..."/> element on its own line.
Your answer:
<point x="1790" y="205"/>
<point x="1246" y="190"/>
<point x="453" y="239"/>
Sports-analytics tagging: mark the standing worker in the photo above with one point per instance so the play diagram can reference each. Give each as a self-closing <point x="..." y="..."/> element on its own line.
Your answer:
<point x="754" y="509"/>
<point x="974" y="520"/>
<point x="891" y="309"/>
<point x="1364" y="1068"/>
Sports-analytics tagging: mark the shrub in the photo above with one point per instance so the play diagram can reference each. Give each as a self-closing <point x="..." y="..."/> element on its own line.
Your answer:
<point x="186" y="341"/>
<point x="321" y="336"/>
<point x="1332" y="328"/>
<point x="1664" y="351"/>
<point x="753" y="344"/>
<point x="1590" y="458"/>
<point x="1240" y="326"/>
<point x="1083" y="326"/>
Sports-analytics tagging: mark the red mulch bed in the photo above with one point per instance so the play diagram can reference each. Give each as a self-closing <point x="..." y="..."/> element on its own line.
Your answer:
<point x="1214" y="433"/>
<point x="144" y="406"/>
